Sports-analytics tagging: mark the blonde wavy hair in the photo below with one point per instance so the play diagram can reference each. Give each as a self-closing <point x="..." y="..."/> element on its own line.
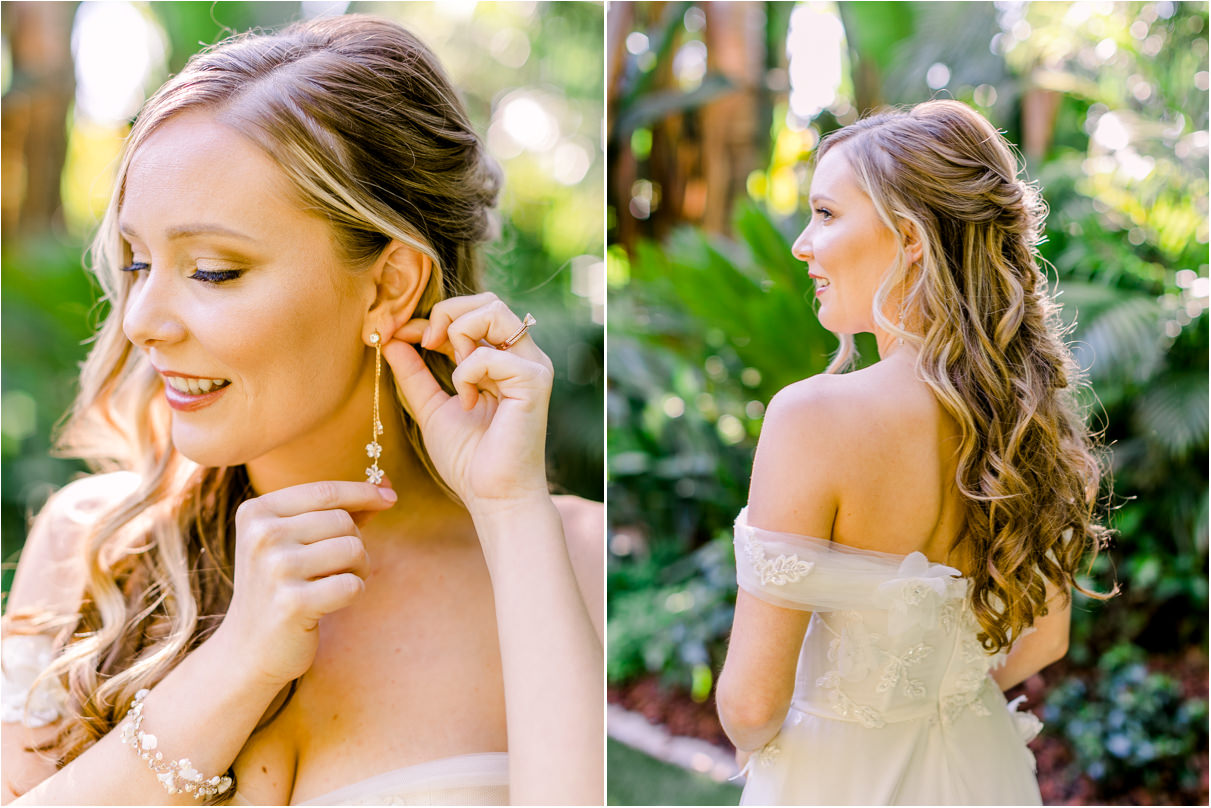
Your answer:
<point x="991" y="346"/>
<point x="360" y="116"/>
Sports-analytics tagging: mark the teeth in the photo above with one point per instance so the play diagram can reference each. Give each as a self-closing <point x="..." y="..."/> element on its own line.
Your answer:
<point x="194" y="387"/>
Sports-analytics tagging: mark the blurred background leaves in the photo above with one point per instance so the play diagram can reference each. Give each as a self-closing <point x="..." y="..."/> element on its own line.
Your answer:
<point x="714" y="111"/>
<point x="75" y="74"/>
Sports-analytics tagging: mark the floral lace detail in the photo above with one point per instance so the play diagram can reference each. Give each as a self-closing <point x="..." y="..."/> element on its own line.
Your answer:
<point x="897" y="669"/>
<point x="847" y="707"/>
<point x="781" y="570"/>
<point x="914" y="598"/>
<point x="767" y="755"/>
<point x="969" y="685"/>
<point x="852" y="649"/>
<point x="968" y="689"/>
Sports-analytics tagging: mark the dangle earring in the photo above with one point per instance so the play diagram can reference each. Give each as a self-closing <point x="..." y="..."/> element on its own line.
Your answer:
<point x="374" y="449"/>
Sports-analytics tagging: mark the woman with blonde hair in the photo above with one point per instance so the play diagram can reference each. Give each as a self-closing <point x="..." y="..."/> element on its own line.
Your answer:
<point x="913" y="528"/>
<point x="286" y="586"/>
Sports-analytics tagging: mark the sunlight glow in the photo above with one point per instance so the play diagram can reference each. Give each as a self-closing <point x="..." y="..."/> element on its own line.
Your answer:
<point x="117" y="51"/>
<point x="814" y="46"/>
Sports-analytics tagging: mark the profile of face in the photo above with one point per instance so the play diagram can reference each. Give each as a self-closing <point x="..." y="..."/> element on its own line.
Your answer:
<point x="241" y="301"/>
<point x="848" y="248"/>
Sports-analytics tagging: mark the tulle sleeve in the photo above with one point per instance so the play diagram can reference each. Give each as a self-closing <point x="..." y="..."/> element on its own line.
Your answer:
<point x="807" y="573"/>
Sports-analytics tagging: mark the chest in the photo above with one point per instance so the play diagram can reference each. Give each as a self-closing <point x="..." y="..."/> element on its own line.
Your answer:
<point x="408" y="674"/>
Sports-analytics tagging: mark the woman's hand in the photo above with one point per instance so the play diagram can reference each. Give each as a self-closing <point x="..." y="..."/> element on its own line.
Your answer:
<point x="298" y="557"/>
<point x="488" y="440"/>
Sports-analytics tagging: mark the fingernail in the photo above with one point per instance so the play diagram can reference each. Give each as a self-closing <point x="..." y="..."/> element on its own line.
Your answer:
<point x="424" y="337"/>
<point x="389" y="495"/>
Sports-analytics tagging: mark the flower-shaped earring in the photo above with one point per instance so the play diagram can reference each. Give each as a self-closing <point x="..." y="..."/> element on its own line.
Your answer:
<point x="374" y="449"/>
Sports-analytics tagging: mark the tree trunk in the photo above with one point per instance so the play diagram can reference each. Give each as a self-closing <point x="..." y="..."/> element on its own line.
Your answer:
<point x="34" y="116"/>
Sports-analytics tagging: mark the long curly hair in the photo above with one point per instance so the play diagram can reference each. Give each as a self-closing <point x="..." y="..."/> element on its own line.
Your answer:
<point x="991" y="346"/>
<point x="314" y="97"/>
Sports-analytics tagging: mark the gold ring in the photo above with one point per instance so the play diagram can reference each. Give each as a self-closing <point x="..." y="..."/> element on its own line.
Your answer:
<point x="519" y="333"/>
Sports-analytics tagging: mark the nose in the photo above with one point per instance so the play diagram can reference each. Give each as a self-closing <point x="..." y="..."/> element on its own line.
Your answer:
<point x="802" y="248"/>
<point x="150" y="318"/>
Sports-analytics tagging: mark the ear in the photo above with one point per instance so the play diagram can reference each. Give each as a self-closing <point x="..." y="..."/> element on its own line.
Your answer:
<point x="401" y="274"/>
<point x="911" y="237"/>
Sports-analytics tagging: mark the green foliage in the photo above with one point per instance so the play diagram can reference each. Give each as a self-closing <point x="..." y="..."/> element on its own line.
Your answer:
<point x="670" y="614"/>
<point x="1130" y="725"/>
<point x="705" y="332"/>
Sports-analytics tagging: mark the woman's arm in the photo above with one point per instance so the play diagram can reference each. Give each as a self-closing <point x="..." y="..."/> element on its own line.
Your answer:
<point x="793" y="489"/>
<point x="204" y="710"/>
<point x="488" y="443"/>
<point x="758" y="677"/>
<point x="293" y="565"/>
<point x="1046" y="644"/>
<point x="209" y="731"/>
<point x="551" y="657"/>
<point x="584" y="526"/>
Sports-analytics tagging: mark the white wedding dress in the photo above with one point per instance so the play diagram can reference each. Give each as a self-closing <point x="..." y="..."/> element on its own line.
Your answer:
<point x="893" y="704"/>
<point x="478" y="779"/>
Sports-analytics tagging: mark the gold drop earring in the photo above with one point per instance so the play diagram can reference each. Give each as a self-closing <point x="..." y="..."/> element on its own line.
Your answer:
<point x="374" y="449"/>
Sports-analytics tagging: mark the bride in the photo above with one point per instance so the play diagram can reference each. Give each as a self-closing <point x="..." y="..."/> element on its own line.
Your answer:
<point x="913" y="528"/>
<point x="286" y="587"/>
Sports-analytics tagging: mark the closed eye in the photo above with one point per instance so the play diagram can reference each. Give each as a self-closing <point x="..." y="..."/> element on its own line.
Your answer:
<point x="216" y="275"/>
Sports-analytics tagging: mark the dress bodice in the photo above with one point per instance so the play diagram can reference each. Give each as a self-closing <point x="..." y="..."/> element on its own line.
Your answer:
<point x="475" y="779"/>
<point x="891" y="639"/>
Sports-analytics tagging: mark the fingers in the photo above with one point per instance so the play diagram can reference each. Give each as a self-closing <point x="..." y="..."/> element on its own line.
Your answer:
<point x="332" y="556"/>
<point x="502" y="373"/>
<point x="320" y="496"/>
<point x="462" y="324"/>
<point x="421" y="393"/>
<point x="333" y="592"/>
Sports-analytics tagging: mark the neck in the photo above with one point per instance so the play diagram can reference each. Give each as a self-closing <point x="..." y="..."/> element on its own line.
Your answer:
<point x="336" y="451"/>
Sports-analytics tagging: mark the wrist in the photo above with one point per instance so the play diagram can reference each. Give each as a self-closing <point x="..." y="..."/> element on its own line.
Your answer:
<point x="495" y="514"/>
<point x="239" y="663"/>
<point x="521" y="525"/>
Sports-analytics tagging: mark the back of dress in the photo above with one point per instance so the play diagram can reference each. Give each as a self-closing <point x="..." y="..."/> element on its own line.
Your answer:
<point x="893" y="703"/>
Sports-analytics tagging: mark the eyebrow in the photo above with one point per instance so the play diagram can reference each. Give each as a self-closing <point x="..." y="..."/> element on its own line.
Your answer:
<point x="822" y="198"/>
<point x="190" y="230"/>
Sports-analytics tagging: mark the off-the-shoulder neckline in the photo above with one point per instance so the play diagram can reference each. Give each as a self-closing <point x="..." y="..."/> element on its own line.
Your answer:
<point x="897" y="558"/>
<point x="484" y="763"/>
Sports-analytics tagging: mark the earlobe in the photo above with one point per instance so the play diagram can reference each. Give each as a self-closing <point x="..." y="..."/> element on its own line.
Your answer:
<point x="401" y="276"/>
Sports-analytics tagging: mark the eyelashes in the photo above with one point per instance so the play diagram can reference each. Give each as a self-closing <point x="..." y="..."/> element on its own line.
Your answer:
<point x="213" y="276"/>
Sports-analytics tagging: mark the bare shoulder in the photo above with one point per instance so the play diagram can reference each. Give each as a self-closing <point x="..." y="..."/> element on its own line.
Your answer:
<point x="822" y="436"/>
<point x="50" y="573"/>
<point x="584" y="531"/>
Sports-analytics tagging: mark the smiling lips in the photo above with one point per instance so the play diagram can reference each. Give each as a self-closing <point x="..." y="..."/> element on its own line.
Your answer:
<point x="821" y="283"/>
<point x="187" y="393"/>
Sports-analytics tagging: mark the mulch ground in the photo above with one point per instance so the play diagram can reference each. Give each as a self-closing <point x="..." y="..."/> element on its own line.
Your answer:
<point x="1059" y="783"/>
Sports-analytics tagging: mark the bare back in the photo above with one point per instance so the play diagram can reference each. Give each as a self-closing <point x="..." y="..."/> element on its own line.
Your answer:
<point x="876" y="461"/>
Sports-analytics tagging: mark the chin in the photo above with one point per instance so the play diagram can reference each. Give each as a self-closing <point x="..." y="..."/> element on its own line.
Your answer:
<point x="207" y="452"/>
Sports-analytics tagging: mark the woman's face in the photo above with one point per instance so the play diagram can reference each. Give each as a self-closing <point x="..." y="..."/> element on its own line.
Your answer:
<point x="239" y="290"/>
<point x="847" y="247"/>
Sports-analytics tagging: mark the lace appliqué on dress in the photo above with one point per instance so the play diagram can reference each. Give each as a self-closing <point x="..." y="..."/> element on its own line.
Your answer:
<point x="780" y="570"/>
<point x="897" y="668"/>
<point x="26" y="656"/>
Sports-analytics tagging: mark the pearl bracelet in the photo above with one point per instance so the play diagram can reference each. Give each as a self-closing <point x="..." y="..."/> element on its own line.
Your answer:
<point x="176" y="776"/>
